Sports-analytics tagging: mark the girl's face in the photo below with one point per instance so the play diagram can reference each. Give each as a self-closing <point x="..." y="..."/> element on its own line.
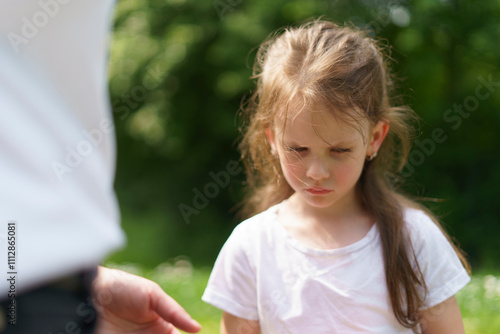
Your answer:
<point x="323" y="162"/>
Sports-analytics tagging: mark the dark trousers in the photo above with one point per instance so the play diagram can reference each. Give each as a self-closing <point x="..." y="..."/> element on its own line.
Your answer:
<point x="62" y="307"/>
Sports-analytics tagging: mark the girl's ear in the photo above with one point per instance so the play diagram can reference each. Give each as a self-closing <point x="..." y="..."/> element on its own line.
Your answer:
<point x="378" y="135"/>
<point x="270" y="138"/>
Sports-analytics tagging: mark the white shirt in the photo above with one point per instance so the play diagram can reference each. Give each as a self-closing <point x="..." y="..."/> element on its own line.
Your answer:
<point x="263" y="274"/>
<point x="57" y="145"/>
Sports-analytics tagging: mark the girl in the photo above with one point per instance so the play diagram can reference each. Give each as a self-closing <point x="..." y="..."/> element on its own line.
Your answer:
<point x="333" y="248"/>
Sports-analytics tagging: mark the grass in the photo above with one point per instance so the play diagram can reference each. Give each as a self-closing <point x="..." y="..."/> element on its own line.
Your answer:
<point x="480" y="305"/>
<point x="479" y="300"/>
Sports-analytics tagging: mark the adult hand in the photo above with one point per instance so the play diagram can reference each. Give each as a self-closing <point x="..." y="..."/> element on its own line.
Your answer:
<point x="131" y="304"/>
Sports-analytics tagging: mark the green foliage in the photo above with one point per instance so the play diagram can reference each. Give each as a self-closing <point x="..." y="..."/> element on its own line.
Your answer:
<point x="180" y="68"/>
<point x="480" y="305"/>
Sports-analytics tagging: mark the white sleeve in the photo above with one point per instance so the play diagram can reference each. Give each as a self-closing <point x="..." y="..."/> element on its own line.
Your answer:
<point x="57" y="145"/>
<point x="232" y="286"/>
<point x="443" y="272"/>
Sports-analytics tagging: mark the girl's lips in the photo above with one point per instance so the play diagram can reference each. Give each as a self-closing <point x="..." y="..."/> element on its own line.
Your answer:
<point x="318" y="191"/>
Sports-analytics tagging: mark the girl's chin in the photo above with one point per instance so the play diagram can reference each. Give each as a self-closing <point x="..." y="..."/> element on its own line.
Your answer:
<point x="305" y="199"/>
<point x="320" y="202"/>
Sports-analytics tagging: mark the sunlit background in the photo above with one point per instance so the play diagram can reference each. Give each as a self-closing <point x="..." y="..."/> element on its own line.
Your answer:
<point x="179" y="70"/>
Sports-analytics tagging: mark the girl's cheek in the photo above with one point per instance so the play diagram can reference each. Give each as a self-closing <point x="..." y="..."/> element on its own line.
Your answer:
<point x="293" y="169"/>
<point x="347" y="173"/>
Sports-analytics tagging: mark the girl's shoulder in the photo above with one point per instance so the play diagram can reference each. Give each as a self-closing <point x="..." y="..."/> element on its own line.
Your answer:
<point x="424" y="231"/>
<point x="250" y="236"/>
<point x="259" y="225"/>
<point x="418" y="221"/>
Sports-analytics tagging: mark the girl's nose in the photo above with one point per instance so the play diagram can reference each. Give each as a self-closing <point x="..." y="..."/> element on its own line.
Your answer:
<point x="317" y="170"/>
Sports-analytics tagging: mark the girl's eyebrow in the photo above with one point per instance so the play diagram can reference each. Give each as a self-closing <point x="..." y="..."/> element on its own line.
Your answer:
<point x="329" y="144"/>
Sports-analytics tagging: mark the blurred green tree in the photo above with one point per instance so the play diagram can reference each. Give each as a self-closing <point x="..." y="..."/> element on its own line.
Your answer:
<point x="179" y="70"/>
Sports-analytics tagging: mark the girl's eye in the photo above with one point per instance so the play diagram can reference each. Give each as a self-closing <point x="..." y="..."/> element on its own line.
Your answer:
<point x="340" y="150"/>
<point x="296" y="149"/>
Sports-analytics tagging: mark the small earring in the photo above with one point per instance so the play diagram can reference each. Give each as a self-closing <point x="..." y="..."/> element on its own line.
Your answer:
<point x="371" y="157"/>
<point x="278" y="175"/>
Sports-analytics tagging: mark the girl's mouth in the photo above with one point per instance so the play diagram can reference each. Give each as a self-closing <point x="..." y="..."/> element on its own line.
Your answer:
<point x="318" y="191"/>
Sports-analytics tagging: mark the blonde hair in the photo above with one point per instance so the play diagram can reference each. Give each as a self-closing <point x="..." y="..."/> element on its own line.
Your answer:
<point x="344" y="70"/>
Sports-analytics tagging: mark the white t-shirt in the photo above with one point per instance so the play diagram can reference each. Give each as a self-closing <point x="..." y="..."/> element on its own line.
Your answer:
<point x="263" y="274"/>
<point x="57" y="145"/>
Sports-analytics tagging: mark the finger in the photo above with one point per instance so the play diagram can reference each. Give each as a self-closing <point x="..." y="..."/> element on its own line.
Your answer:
<point x="171" y="311"/>
<point x="168" y="328"/>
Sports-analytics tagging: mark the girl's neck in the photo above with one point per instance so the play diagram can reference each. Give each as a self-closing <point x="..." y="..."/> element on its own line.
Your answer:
<point x="325" y="228"/>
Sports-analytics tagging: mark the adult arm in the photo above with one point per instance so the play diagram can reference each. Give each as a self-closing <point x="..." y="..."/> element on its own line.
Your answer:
<point x="443" y="318"/>
<point x="131" y="304"/>
<point x="231" y="324"/>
